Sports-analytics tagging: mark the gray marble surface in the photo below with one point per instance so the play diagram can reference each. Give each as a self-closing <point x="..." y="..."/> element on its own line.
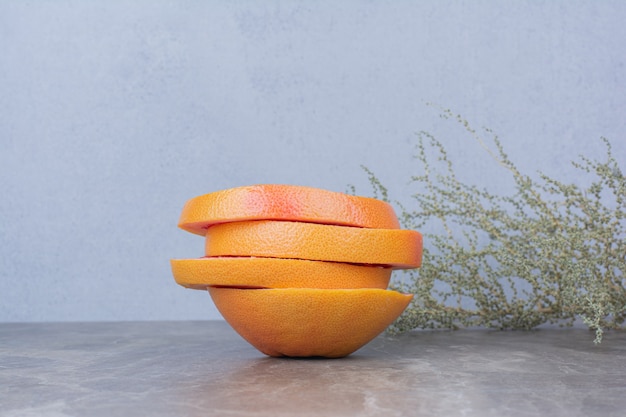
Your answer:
<point x="205" y="369"/>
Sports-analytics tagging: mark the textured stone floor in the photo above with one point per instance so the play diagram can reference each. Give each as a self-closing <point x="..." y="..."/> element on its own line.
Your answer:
<point x="205" y="369"/>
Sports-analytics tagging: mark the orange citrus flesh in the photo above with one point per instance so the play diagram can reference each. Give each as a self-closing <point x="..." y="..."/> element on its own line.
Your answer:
<point x="302" y="322"/>
<point x="252" y="272"/>
<point x="395" y="248"/>
<point x="285" y="202"/>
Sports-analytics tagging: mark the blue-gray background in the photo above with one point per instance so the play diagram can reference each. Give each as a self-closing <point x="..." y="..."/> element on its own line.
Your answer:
<point x="113" y="114"/>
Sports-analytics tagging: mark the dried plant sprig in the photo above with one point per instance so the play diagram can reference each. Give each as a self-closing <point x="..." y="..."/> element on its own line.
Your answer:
<point x="551" y="252"/>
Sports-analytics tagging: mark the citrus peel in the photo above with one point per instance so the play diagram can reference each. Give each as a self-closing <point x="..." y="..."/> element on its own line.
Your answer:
<point x="302" y="322"/>
<point x="251" y="272"/>
<point x="285" y="202"/>
<point x="396" y="248"/>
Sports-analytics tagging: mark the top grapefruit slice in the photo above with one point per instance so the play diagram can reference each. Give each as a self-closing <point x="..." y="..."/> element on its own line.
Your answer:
<point x="285" y="202"/>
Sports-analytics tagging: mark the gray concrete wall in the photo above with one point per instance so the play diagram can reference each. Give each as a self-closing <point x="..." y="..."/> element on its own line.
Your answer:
<point x="113" y="114"/>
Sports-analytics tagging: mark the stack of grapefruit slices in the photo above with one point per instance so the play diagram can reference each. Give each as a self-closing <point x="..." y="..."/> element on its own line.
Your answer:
<point x="299" y="271"/>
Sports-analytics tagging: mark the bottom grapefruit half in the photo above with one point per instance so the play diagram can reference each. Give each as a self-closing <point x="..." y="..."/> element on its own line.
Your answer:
<point x="309" y="322"/>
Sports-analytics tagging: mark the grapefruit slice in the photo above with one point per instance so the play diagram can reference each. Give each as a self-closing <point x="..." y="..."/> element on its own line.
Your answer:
<point x="303" y="322"/>
<point x="276" y="273"/>
<point x="285" y="202"/>
<point x="396" y="248"/>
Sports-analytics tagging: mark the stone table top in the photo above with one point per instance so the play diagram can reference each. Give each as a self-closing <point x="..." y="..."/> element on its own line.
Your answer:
<point x="205" y="369"/>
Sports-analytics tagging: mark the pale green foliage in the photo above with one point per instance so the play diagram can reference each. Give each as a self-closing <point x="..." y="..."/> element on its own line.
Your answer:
<point x="550" y="252"/>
